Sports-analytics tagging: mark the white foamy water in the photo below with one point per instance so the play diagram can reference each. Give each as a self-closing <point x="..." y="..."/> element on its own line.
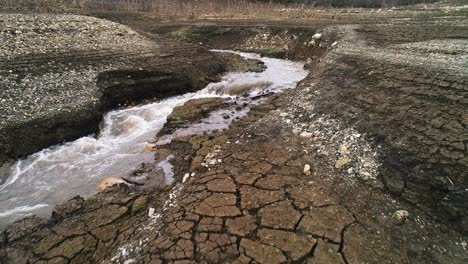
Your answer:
<point x="49" y="177"/>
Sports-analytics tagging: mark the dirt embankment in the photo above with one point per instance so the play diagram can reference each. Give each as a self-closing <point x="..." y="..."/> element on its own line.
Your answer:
<point x="60" y="73"/>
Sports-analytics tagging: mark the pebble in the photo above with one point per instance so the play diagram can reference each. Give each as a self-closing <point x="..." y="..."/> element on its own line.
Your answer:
<point x="364" y="175"/>
<point x="307" y="135"/>
<point x="344" y="150"/>
<point x="400" y="216"/>
<point x="186" y="176"/>
<point x="342" y="162"/>
<point x="464" y="244"/>
<point x="151" y="212"/>
<point x="307" y="169"/>
<point x="317" y="36"/>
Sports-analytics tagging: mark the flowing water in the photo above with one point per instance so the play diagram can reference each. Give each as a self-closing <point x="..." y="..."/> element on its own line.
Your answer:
<point x="36" y="184"/>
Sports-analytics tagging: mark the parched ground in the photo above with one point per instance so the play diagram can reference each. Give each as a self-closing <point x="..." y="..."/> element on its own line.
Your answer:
<point x="380" y="122"/>
<point x="248" y="201"/>
<point x="397" y="77"/>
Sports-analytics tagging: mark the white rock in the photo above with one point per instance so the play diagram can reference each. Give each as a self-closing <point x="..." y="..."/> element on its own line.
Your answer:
<point x="364" y="175"/>
<point x="307" y="169"/>
<point x="317" y="36"/>
<point x="400" y="216"/>
<point x="284" y="114"/>
<point x="307" y="135"/>
<point x="151" y="212"/>
<point x="186" y="176"/>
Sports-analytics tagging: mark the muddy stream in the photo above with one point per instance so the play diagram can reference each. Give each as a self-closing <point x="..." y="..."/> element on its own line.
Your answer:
<point x="36" y="184"/>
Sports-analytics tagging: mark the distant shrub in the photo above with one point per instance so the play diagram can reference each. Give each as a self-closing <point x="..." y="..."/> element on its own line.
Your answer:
<point x="191" y="9"/>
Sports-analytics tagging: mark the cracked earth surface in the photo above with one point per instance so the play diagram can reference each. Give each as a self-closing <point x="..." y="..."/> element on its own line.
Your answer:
<point x="248" y="199"/>
<point x="254" y="205"/>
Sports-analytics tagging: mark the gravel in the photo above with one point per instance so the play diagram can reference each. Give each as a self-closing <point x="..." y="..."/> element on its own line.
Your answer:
<point x="49" y="63"/>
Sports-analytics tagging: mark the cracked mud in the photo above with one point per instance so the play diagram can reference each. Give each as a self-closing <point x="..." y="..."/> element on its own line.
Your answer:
<point x="255" y="206"/>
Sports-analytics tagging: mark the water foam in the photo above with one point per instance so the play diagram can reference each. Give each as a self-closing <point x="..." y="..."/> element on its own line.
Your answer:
<point x="53" y="175"/>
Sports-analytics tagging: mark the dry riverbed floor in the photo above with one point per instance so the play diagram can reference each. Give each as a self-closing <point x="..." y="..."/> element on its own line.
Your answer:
<point x="324" y="173"/>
